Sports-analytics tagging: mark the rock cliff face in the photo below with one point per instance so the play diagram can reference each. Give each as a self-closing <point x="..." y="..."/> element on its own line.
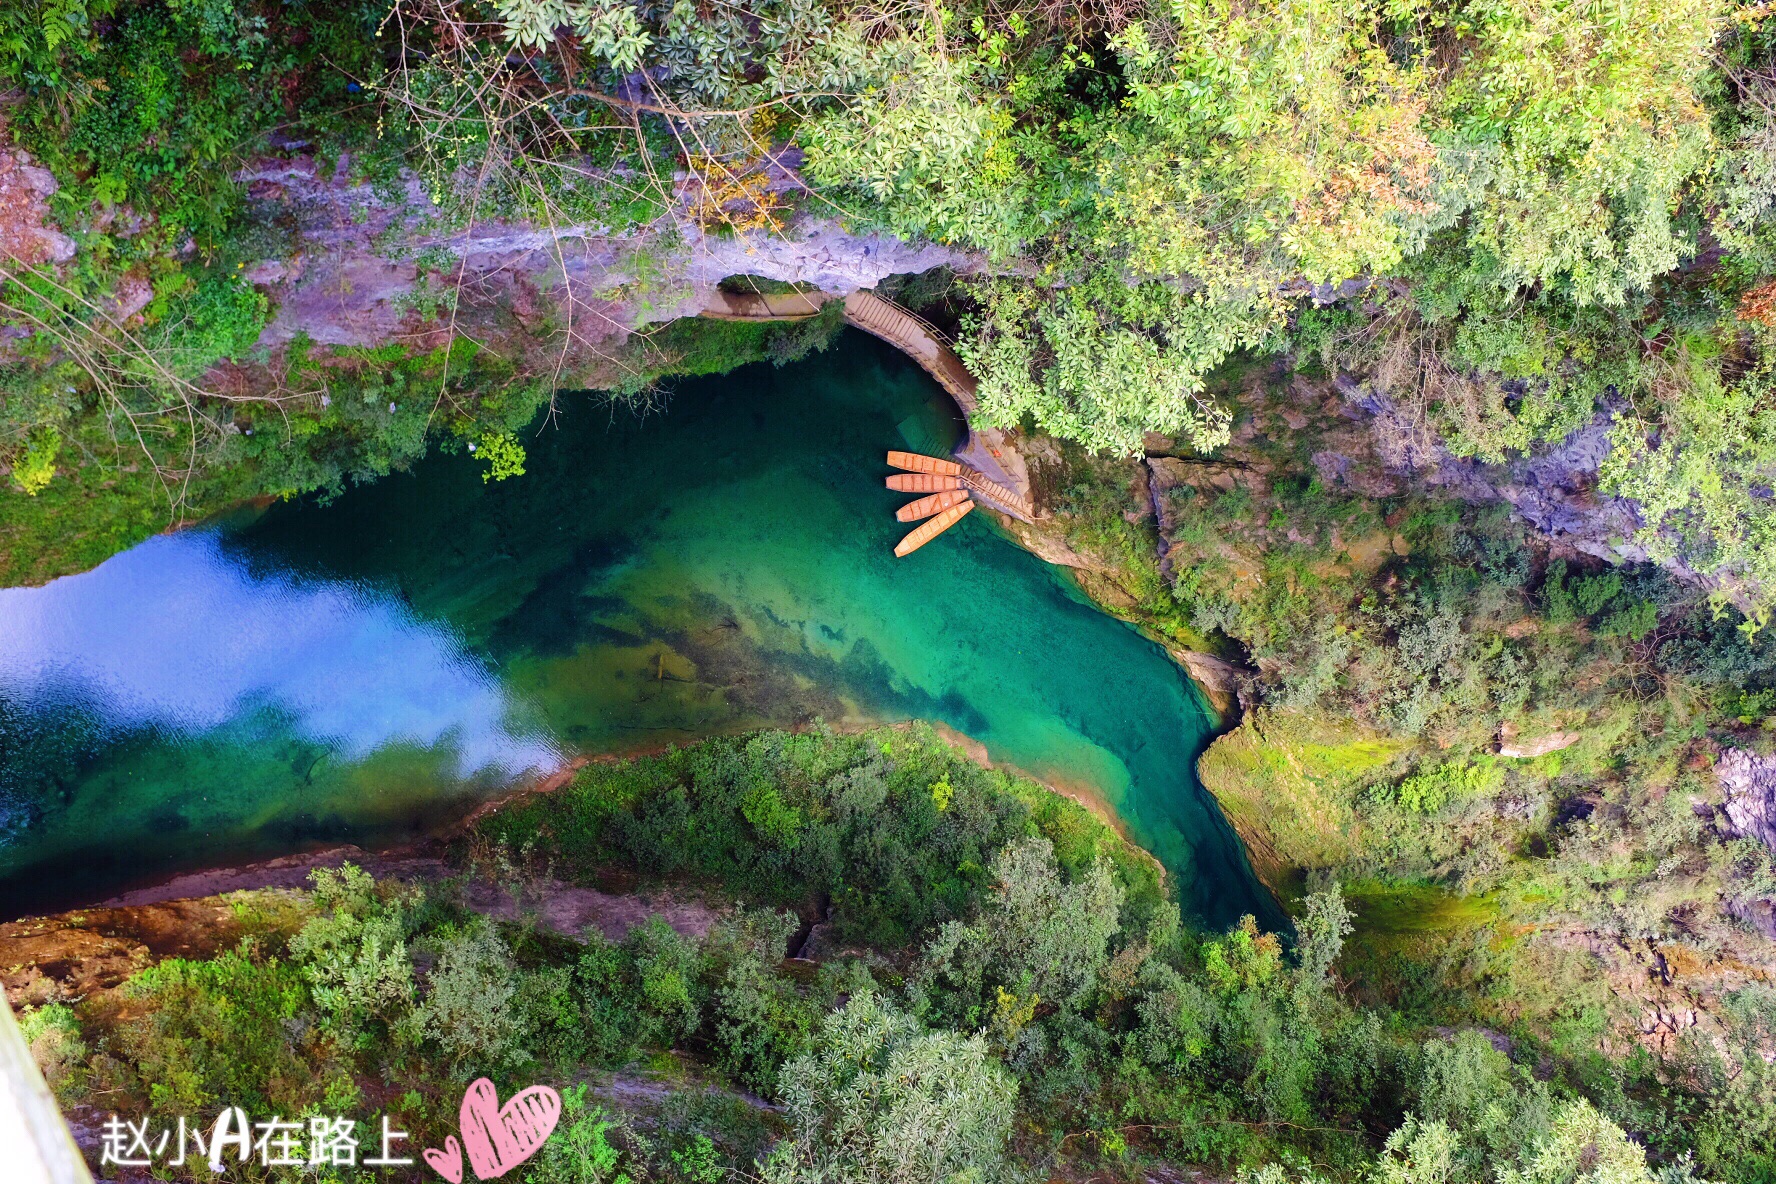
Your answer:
<point x="1357" y="442"/>
<point x="1748" y="811"/>
<point x="1749" y="783"/>
<point x="352" y="275"/>
<point x="352" y="270"/>
<point x="1553" y="488"/>
<point x="353" y="264"/>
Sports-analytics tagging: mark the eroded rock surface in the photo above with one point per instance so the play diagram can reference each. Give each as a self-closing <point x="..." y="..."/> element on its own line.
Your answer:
<point x="1749" y="783"/>
<point x="353" y="274"/>
<point x="26" y="235"/>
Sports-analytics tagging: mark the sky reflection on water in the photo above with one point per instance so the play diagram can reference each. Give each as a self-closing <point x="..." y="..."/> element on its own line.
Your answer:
<point x="177" y="636"/>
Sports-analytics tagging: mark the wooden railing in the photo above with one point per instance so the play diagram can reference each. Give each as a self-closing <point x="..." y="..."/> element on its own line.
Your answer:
<point x="36" y="1146"/>
<point x="916" y="338"/>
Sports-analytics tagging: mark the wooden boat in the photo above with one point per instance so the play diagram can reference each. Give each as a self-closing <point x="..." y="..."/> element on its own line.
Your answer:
<point x="915" y="462"/>
<point x="930" y="504"/>
<point x="923" y="482"/>
<point x="925" y="533"/>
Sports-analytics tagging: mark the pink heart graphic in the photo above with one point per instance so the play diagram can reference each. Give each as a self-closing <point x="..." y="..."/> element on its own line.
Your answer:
<point x="499" y="1138"/>
<point x="448" y="1162"/>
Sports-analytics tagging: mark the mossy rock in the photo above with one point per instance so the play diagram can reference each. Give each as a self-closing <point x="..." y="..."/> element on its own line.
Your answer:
<point x="1287" y="781"/>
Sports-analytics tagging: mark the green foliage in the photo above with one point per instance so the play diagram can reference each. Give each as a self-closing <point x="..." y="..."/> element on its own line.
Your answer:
<point x="760" y="1019"/>
<point x="924" y="138"/>
<point x="52" y="1032"/>
<point x="1430" y="791"/>
<point x="1580" y="1145"/>
<point x="502" y="454"/>
<point x="1039" y="938"/>
<point x="1043" y="1007"/>
<point x="777" y="817"/>
<point x="880" y="1099"/>
<point x="1585" y="125"/>
<point x="581" y="1152"/>
<point x="1105" y="362"/>
<point x="354" y="955"/>
<point x="1697" y="472"/>
<point x="1266" y="142"/>
<point x="216" y="1033"/>
<point x="1736" y="1138"/>
<point x="667" y="966"/>
<point x="471" y="1008"/>
<point x="1321" y="932"/>
<point x="35" y="467"/>
<point x="203" y="322"/>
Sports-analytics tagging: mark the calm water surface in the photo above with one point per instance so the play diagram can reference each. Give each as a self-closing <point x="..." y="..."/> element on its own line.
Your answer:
<point x="367" y="670"/>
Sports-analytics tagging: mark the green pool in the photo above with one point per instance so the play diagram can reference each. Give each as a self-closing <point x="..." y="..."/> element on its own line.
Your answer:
<point x="369" y="669"/>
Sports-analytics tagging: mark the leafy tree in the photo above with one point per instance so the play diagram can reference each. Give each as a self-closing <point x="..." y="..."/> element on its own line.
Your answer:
<point x="759" y="1020"/>
<point x="1581" y="1147"/>
<point x="1265" y="142"/>
<point x="1419" y="1153"/>
<point x="1105" y="362"/>
<point x="354" y="953"/>
<point x="1038" y="939"/>
<point x="879" y="1099"/>
<point x="470" y="1010"/>
<point x="1320" y="934"/>
<point x="1584" y="124"/>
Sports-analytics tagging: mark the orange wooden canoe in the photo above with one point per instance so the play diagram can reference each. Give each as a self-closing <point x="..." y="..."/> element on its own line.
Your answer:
<point x="930" y="504"/>
<point x="923" y="482"/>
<point x="925" y="533"/>
<point x="915" y="462"/>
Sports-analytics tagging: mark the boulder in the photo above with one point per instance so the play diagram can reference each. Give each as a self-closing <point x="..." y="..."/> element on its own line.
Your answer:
<point x="1525" y="749"/>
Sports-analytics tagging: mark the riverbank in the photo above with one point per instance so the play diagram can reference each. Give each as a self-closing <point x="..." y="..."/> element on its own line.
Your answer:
<point x="1449" y="714"/>
<point x="493" y="862"/>
<point x="433" y="857"/>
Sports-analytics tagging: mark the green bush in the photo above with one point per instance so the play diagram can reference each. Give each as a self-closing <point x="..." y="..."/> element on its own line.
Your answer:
<point x="471" y="1010"/>
<point x="217" y="1033"/>
<point x="781" y="818"/>
<point x="354" y="955"/>
<point x="581" y="1151"/>
<point x="881" y="1099"/>
<point x="53" y="1034"/>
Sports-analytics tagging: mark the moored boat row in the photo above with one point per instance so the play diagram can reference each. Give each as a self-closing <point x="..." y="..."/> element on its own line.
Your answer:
<point x="946" y="502"/>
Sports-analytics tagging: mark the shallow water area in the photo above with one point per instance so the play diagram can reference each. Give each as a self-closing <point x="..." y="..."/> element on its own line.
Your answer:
<point x="368" y="670"/>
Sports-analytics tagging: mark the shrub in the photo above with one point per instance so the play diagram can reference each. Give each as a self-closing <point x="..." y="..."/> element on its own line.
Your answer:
<point x="219" y="1032"/>
<point x="878" y="1099"/>
<point x="354" y="954"/>
<point x="581" y="1151"/>
<point x="53" y="1034"/>
<point x="469" y="1011"/>
<point x="758" y="1018"/>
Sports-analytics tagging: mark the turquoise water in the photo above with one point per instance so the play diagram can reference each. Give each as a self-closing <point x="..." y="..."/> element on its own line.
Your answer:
<point x="370" y="669"/>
